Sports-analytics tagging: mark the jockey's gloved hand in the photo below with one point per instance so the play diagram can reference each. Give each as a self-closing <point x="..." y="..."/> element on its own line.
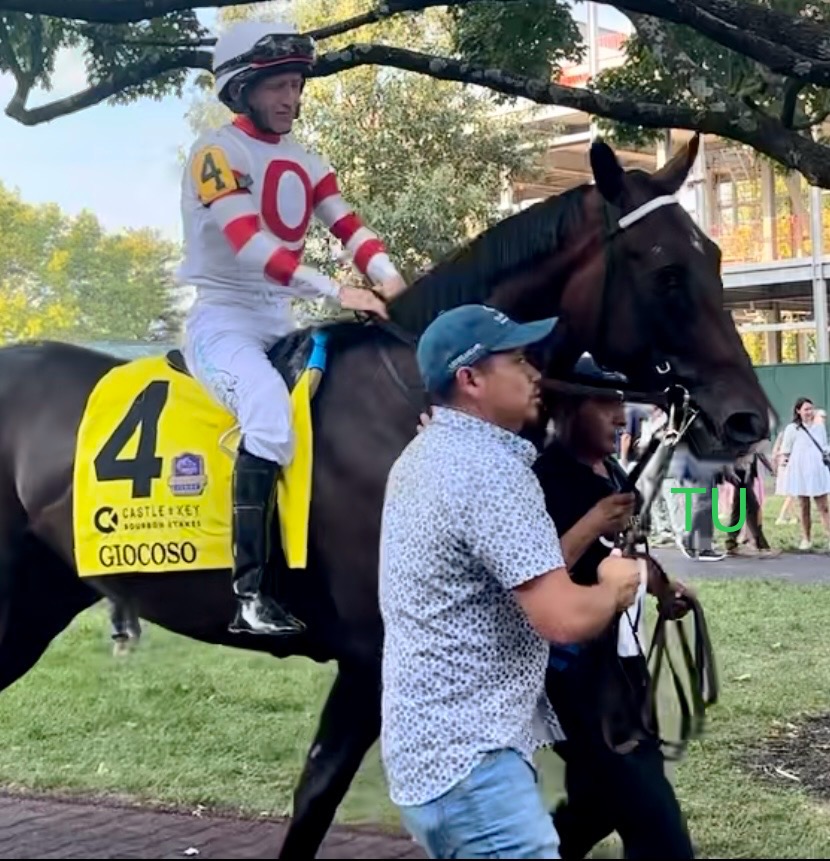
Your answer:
<point x="357" y="299"/>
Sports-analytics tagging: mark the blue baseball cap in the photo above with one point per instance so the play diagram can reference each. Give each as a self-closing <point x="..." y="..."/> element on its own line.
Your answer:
<point x="466" y="335"/>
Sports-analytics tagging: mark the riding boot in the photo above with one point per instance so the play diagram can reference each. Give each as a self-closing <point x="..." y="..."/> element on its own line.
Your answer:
<point x="253" y="510"/>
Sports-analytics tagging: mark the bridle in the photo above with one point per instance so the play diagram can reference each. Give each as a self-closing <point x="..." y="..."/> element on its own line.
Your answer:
<point x="615" y="225"/>
<point x="649" y="472"/>
<point x="674" y="398"/>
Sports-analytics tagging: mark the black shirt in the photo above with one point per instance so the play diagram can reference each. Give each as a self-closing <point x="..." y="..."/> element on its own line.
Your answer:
<point x="571" y="490"/>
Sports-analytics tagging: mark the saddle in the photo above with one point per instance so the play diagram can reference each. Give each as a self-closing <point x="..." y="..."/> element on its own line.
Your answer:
<point x="291" y="356"/>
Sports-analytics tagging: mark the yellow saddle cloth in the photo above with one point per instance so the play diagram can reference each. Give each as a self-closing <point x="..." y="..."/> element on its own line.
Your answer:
<point x="152" y="483"/>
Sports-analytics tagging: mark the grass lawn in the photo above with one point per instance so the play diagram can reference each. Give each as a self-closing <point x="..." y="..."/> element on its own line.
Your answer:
<point x="190" y="724"/>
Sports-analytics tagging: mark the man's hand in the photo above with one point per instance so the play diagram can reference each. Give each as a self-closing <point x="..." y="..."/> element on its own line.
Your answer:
<point x="680" y="605"/>
<point x="613" y="513"/>
<point x="357" y="299"/>
<point x="622" y="576"/>
<point x="672" y="592"/>
<point x="391" y="287"/>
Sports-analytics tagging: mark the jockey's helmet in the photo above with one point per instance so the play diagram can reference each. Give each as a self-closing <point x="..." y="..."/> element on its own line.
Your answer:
<point x="252" y="50"/>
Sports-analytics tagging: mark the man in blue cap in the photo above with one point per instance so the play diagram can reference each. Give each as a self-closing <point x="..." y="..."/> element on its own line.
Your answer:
<point x="472" y="587"/>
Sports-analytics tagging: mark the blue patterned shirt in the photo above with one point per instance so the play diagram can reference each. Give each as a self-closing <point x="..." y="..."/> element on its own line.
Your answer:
<point x="464" y="523"/>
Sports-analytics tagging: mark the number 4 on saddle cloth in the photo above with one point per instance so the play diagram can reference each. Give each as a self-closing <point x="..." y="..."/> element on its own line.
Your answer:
<point x="154" y="460"/>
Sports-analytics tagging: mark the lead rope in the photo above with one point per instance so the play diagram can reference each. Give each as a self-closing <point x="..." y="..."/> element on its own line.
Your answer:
<point x="633" y="542"/>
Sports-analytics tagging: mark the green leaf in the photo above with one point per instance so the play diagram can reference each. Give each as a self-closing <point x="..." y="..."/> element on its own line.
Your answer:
<point x="66" y="277"/>
<point x="527" y="37"/>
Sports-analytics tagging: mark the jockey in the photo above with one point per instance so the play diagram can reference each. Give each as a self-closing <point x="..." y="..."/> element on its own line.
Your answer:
<point x="248" y="193"/>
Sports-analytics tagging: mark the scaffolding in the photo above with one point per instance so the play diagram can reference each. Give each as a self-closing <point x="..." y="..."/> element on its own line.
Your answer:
<point x="744" y="192"/>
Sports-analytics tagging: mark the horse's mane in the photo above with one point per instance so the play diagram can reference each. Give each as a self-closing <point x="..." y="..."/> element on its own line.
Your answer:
<point x="469" y="274"/>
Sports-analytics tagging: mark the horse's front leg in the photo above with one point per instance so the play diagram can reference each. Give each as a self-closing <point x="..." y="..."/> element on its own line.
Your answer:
<point x="349" y="726"/>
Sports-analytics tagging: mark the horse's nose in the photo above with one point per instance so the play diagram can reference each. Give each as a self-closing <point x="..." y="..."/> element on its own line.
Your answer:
<point x="746" y="427"/>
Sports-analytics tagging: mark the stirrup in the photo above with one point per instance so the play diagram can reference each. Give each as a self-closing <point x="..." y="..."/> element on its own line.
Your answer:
<point x="262" y="615"/>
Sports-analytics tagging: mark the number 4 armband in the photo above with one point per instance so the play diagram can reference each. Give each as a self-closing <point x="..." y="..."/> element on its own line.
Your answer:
<point x="213" y="176"/>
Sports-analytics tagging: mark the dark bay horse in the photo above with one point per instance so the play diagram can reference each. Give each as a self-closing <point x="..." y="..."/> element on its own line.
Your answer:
<point x="633" y="281"/>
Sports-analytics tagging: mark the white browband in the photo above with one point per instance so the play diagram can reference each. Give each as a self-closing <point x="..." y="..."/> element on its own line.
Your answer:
<point x="645" y="209"/>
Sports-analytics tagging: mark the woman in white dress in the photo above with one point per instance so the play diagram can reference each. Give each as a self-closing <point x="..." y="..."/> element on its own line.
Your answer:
<point x="807" y="476"/>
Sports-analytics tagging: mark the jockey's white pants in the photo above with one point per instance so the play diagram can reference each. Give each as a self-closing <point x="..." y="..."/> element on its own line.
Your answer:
<point x="225" y="348"/>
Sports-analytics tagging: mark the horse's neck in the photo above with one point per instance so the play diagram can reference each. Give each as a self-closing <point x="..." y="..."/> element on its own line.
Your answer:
<point x="567" y="283"/>
<point x="521" y="265"/>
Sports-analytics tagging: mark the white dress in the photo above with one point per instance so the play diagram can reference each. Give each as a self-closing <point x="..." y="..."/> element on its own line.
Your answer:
<point x="806" y="474"/>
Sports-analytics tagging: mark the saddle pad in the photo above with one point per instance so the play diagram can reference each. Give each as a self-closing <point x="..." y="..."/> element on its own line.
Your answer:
<point x="294" y="483"/>
<point x="152" y="483"/>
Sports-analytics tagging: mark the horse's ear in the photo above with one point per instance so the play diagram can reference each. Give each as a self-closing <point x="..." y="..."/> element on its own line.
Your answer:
<point x="608" y="173"/>
<point x="674" y="172"/>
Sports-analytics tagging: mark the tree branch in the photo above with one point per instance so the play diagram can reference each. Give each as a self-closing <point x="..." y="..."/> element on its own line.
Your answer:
<point x="761" y="132"/>
<point x="749" y="28"/>
<point x="373" y="16"/>
<point x="113" y="11"/>
<point x="537" y="90"/>
<point x="790" y="101"/>
<point x="810" y="122"/>
<point x="685" y="71"/>
<point x="804" y="34"/>
<point x="736" y="24"/>
<point x="661" y="42"/>
<point x="131" y="11"/>
<point x="110" y="86"/>
<point x="379" y="13"/>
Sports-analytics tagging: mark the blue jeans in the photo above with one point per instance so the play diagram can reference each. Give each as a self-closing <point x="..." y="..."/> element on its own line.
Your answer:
<point x="497" y="811"/>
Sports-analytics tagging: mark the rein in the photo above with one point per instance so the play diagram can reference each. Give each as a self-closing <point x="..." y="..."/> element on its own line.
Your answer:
<point x="700" y="668"/>
<point x="633" y="541"/>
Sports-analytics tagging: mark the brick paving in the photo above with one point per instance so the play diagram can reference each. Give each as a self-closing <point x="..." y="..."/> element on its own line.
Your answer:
<point x="56" y="828"/>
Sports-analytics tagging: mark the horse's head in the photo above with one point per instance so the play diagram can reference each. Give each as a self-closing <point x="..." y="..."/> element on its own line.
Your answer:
<point x="633" y="281"/>
<point x="659" y="317"/>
